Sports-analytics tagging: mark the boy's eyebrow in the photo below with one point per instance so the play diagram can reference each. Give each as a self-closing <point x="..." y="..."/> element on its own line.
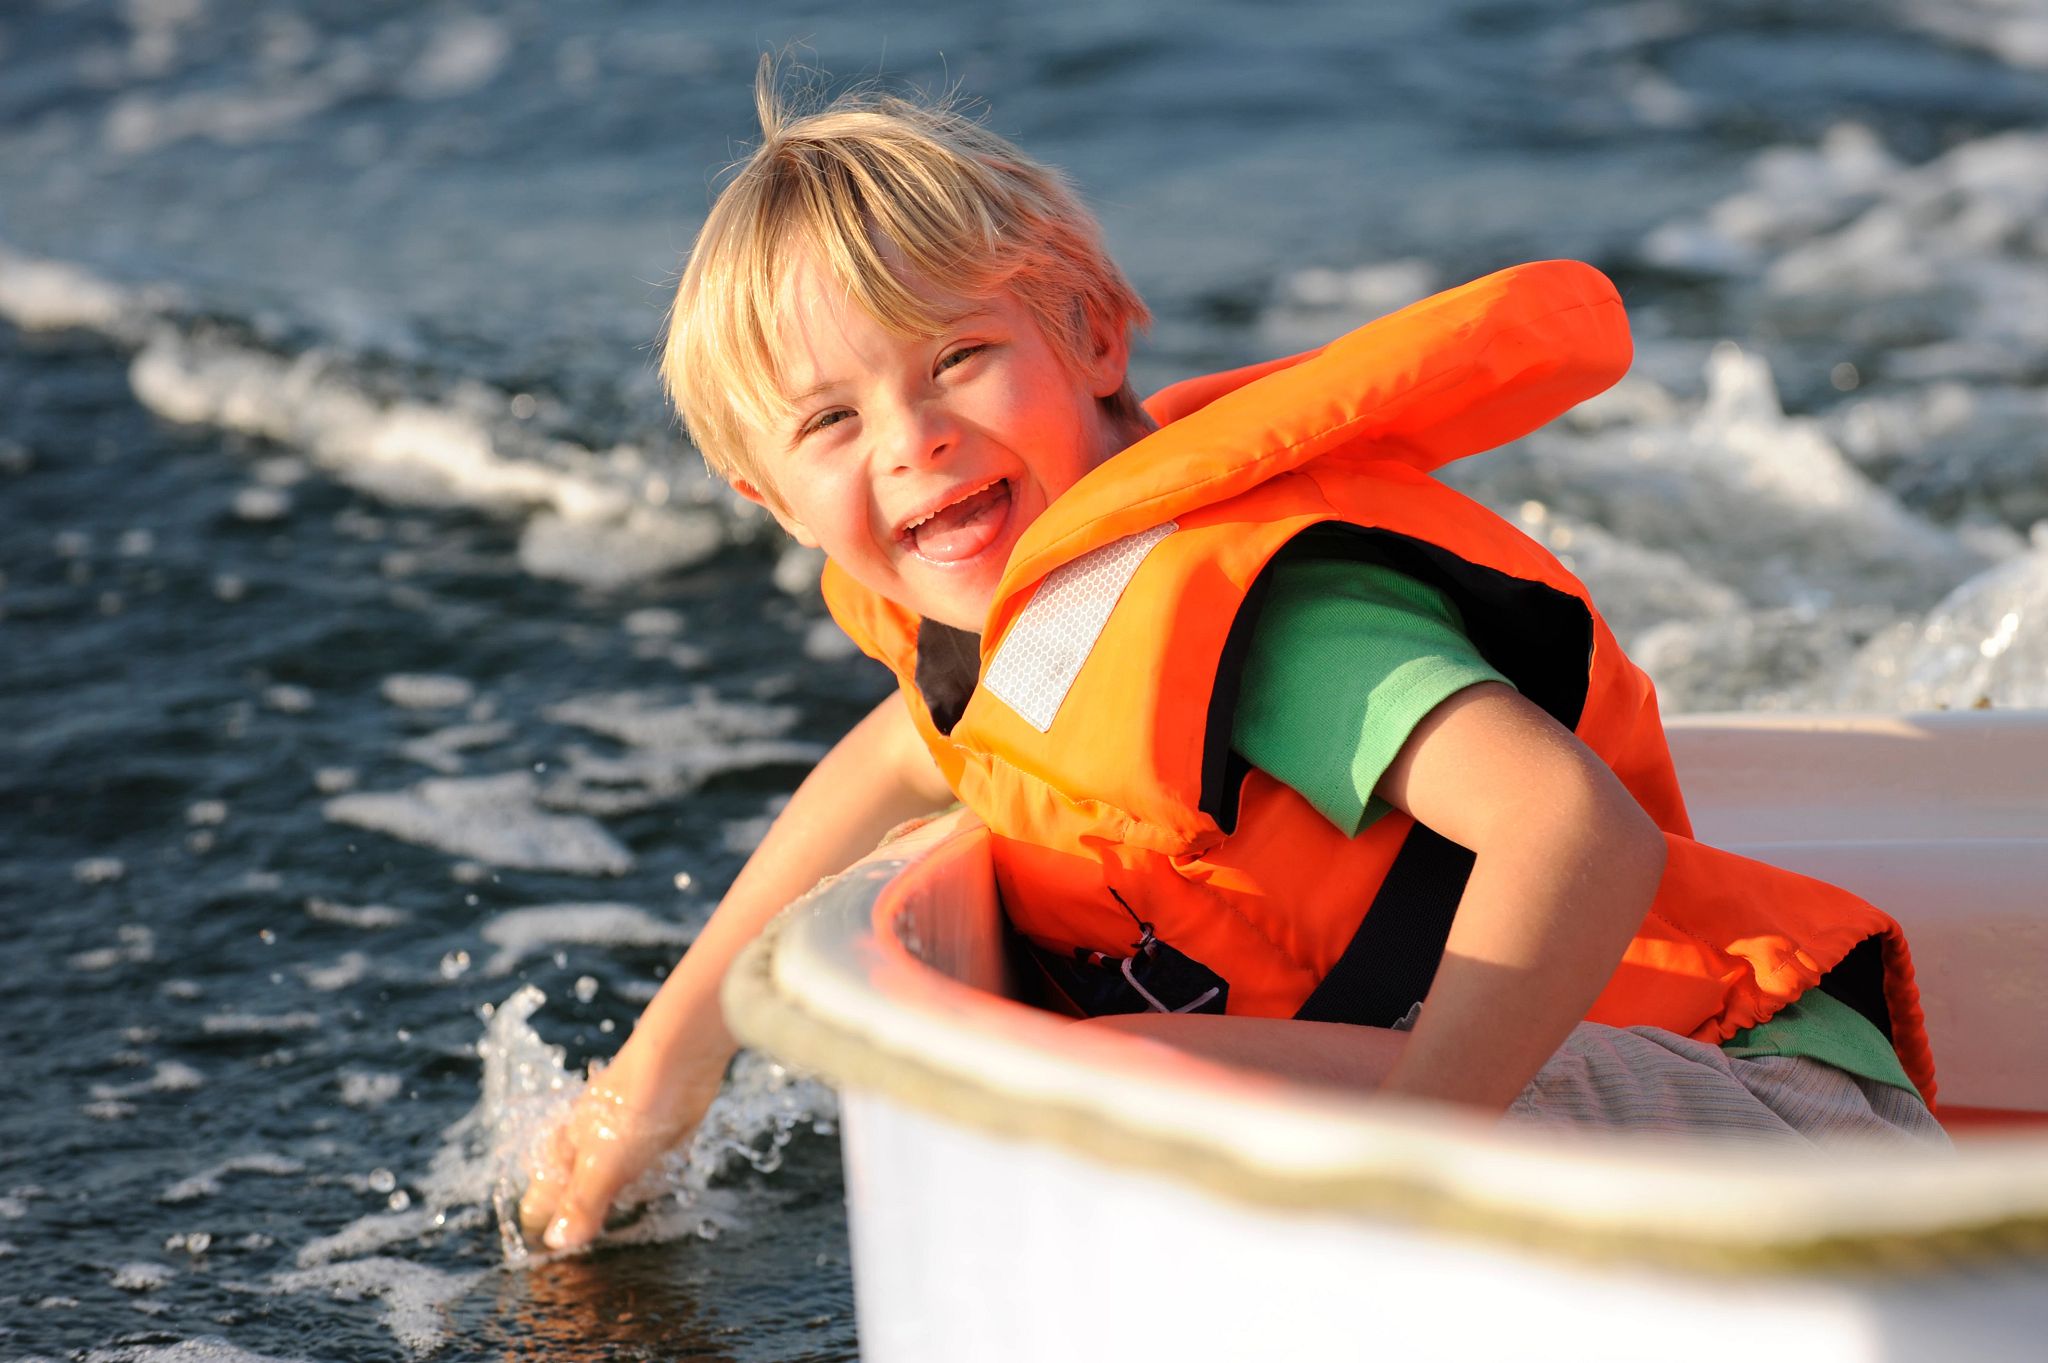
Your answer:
<point x="972" y="313"/>
<point x="827" y="386"/>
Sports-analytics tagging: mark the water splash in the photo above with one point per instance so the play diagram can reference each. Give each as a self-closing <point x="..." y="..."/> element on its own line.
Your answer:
<point x="527" y="1088"/>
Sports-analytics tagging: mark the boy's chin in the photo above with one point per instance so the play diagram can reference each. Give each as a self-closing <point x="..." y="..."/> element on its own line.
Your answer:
<point x="964" y="607"/>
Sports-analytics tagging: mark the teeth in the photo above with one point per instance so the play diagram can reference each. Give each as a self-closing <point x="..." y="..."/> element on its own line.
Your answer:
<point x="955" y="502"/>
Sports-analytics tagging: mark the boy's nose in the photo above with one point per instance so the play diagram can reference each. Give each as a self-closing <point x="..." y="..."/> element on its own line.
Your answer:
<point x="929" y="433"/>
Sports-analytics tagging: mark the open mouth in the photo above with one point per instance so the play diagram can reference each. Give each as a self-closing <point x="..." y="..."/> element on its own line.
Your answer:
<point x="963" y="527"/>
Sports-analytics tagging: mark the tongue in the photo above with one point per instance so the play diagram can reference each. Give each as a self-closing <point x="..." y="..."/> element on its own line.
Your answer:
<point x="965" y="528"/>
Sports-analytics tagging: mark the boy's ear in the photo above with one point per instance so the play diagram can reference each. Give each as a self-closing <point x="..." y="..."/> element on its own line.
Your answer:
<point x="798" y="531"/>
<point x="1109" y="360"/>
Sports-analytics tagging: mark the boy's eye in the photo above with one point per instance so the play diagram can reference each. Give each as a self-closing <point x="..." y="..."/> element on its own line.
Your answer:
<point x="954" y="357"/>
<point x="824" y="419"/>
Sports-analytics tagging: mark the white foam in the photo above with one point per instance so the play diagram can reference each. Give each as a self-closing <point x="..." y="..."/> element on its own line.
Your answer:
<point x="411" y="452"/>
<point x="141" y="1276"/>
<point x="260" y="1024"/>
<point x="48" y="295"/>
<point x="522" y="933"/>
<point x="349" y="968"/>
<point x="442" y="750"/>
<point x="207" y="1350"/>
<point x="494" y="819"/>
<point x="1964" y="447"/>
<point x="133" y="943"/>
<point x="261" y="505"/>
<point x="1941" y="268"/>
<point x="1985" y="643"/>
<point x="414" y="1296"/>
<point x="140" y="121"/>
<point x="368" y="1089"/>
<point x="208" y="1181"/>
<point x="98" y="870"/>
<point x="1794" y="193"/>
<point x="610" y="551"/>
<point x="169" y="1076"/>
<point x="1312" y="305"/>
<point x="647" y="720"/>
<point x="334" y="780"/>
<point x="1763" y="503"/>
<point x="354" y="916"/>
<point x="653" y="622"/>
<point x="825" y="642"/>
<point x="288" y="699"/>
<point x="2015" y="31"/>
<point x="368" y="1234"/>
<point x="427" y="691"/>
<point x="798" y="570"/>
<point x="464" y="52"/>
<point x="676" y="748"/>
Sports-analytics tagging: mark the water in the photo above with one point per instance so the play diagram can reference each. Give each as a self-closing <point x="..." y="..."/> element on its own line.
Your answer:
<point x="372" y="651"/>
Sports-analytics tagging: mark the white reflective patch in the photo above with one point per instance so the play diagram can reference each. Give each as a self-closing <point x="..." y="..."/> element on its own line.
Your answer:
<point x="1044" y="651"/>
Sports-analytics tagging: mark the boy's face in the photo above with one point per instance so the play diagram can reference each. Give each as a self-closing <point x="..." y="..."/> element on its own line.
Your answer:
<point x="916" y="464"/>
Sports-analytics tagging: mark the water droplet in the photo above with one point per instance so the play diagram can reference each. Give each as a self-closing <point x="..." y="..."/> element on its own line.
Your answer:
<point x="586" y="988"/>
<point x="684" y="880"/>
<point x="382" y="1180"/>
<point x="399" y="1200"/>
<point x="454" y="965"/>
<point x="269" y="937"/>
<point x="405" y="1034"/>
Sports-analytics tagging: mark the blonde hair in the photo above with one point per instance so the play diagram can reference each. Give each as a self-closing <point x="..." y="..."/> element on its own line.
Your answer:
<point x="884" y="193"/>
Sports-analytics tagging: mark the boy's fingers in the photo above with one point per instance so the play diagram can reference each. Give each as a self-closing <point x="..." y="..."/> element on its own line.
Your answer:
<point x="582" y="1209"/>
<point x="545" y="1179"/>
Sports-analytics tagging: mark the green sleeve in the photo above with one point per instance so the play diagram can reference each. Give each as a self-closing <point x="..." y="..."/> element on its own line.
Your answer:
<point x="1345" y="660"/>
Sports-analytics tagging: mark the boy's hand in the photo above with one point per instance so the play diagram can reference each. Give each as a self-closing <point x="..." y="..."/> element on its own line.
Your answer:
<point x="615" y="1132"/>
<point x="670" y="1069"/>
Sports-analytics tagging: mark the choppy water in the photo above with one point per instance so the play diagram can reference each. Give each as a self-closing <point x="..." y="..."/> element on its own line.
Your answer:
<point x="371" y="649"/>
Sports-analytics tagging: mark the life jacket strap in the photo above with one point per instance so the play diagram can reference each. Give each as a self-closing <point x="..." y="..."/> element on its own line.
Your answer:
<point x="1392" y="958"/>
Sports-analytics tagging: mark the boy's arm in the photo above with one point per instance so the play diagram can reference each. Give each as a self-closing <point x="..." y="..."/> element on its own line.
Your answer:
<point x="1566" y="864"/>
<point x="657" y="1088"/>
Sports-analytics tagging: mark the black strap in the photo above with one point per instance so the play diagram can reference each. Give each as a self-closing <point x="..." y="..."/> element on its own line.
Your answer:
<point x="1388" y="967"/>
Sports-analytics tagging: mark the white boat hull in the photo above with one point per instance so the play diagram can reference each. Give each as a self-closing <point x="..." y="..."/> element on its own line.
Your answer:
<point x="1021" y="1188"/>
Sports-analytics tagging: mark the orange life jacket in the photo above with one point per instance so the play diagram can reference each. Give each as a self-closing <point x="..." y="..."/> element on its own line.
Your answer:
<point x="1095" y="740"/>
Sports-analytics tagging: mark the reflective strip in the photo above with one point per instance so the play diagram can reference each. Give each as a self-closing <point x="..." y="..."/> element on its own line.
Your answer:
<point x="1044" y="651"/>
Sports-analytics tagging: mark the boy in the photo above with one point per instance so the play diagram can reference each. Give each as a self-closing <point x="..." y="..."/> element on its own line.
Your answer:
<point x="1243" y="695"/>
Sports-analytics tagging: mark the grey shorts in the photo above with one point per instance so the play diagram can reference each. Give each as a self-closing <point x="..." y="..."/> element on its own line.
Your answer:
<point x="1650" y="1081"/>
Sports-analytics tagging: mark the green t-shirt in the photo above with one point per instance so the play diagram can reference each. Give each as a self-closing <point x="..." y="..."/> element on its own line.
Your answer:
<point x="1346" y="659"/>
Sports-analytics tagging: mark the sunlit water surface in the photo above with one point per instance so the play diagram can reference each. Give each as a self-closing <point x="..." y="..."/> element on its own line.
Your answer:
<point x="375" y="662"/>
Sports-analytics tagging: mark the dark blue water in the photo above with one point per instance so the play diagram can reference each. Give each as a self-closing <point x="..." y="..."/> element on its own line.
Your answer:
<point x="334" y="479"/>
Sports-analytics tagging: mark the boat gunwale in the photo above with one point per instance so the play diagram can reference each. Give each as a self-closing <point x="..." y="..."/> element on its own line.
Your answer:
<point x="807" y="992"/>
